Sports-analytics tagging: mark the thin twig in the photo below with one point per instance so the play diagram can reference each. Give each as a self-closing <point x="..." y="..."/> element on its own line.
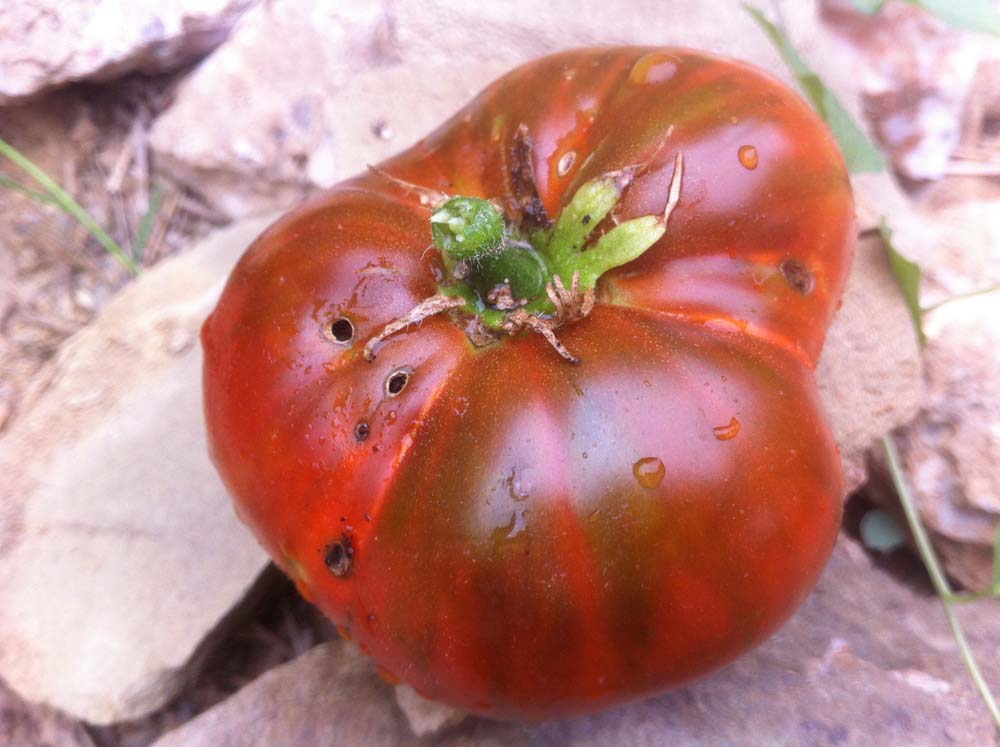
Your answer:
<point x="938" y="578"/>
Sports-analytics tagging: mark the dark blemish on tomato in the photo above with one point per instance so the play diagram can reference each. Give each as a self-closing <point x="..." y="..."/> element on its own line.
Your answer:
<point x="361" y="431"/>
<point x="522" y="178"/>
<point x="798" y="276"/>
<point x="371" y="618"/>
<point x="586" y="219"/>
<point x="368" y="517"/>
<point x="339" y="556"/>
<point x="396" y="381"/>
<point x="340" y="331"/>
<point x="343" y="519"/>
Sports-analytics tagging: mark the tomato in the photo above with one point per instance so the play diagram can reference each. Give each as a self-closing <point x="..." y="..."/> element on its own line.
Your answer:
<point x="506" y="531"/>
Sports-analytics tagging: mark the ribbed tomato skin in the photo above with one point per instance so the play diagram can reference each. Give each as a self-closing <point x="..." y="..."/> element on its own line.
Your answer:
<point x="533" y="539"/>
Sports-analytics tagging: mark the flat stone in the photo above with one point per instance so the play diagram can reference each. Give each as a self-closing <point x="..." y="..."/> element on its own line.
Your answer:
<point x="330" y="695"/>
<point x="870" y="373"/>
<point x="46" y="43"/>
<point x="119" y="550"/>
<point x="829" y="677"/>
<point x="951" y="448"/>
<point x="369" y="79"/>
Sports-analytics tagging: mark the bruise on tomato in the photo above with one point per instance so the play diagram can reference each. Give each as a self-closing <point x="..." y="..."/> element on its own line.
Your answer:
<point x="504" y="531"/>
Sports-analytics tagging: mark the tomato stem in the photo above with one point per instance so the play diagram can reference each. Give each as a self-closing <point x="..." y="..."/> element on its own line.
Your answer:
<point x="498" y="270"/>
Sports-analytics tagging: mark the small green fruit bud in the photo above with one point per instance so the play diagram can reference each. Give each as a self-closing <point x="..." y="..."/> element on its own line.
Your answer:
<point x="467" y="227"/>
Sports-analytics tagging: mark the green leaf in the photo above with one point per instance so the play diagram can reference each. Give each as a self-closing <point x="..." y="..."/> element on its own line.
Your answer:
<point x="977" y="15"/>
<point x="860" y="153"/>
<point x="908" y="278"/>
<point x="881" y="532"/>
<point x="868" y="6"/>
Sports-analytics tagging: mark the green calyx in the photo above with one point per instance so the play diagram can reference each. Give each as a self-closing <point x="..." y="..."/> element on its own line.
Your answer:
<point x="467" y="227"/>
<point x="484" y="253"/>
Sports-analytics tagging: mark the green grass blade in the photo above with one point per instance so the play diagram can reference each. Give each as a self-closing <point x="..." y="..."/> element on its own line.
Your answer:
<point x="148" y="221"/>
<point x="860" y="153"/>
<point x="33" y="194"/>
<point x="938" y="579"/>
<point x="908" y="277"/>
<point x="67" y="204"/>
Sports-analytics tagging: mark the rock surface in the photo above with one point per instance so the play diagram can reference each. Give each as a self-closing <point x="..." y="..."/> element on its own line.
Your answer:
<point x="951" y="451"/>
<point x="46" y="43"/>
<point x="367" y="80"/>
<point x="328" y="696"/>
<point x="869" y="374"/>
<point x="119" y="551"/>
<point x="830" y="677"/>
<point x="22" y="725"/>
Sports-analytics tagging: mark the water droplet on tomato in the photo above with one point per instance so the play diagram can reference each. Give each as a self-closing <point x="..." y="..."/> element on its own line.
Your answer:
<point x="727" y="431"/>
<point x="649" y="472"/>
<point x="566" y="162"/>
<point x="748" y="157"/>
<point x="653" y="68"/>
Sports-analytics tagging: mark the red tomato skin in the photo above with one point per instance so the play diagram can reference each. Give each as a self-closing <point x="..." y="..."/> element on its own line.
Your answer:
<point x="531" y="539"/>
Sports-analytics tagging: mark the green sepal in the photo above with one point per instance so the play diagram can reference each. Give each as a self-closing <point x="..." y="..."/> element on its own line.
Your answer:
<point x="589" y="206"/>
<point x="467" y="227"/>
<point x="522" y="267"/>
<point x="620" y="245"/>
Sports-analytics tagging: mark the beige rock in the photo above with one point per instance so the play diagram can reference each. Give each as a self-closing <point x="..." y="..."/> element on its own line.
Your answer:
<point x="869" y="374"/>
<point x="829" y="677"/>
<point x="906" y="70"/>
<point x="46" y="43"/>
<point x="119" y="551"/>
<point x="367" y="80"/>
<point x="425" y="716"/>
<point x="328" y="696"/>
<point x="951" y="452"/>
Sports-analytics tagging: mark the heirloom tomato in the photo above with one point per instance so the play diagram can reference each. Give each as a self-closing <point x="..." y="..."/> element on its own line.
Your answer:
<point x="528" y="409"/>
